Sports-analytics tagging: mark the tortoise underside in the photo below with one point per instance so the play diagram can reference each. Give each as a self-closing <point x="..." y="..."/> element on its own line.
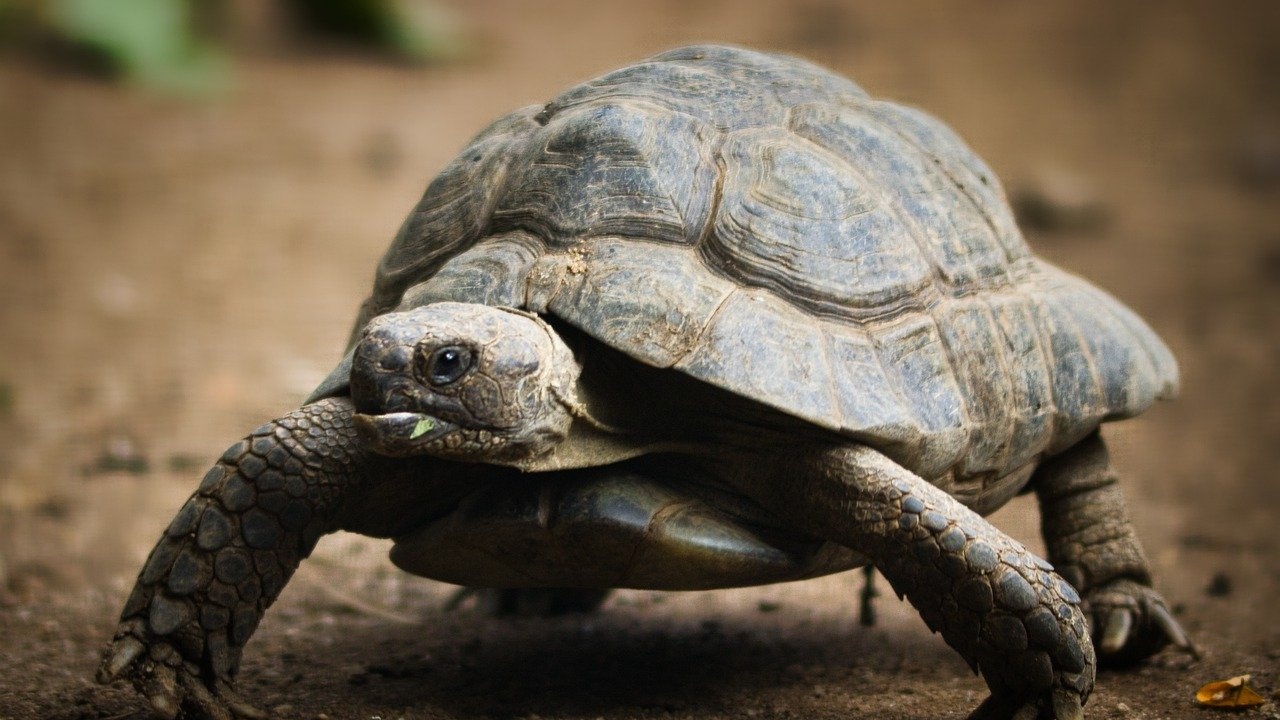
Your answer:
<point x="607" y="531"/>
<point x="619" y="528"/>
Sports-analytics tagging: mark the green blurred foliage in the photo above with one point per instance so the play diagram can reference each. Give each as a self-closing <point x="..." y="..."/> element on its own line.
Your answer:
<point x="152" y="42"/>
<point x="171" y="45"/>
<point x="413" y="29"/>
<point x="8" y="19"/>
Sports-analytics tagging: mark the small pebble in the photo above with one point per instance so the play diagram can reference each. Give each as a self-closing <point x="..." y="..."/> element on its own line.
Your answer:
<point x="119" y="454"/>
<point x="1219" y="585"/>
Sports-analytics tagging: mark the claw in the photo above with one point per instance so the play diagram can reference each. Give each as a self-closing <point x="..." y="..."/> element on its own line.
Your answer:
<point x="1172" y="630"/>
<point x="1117" y="630"/>
<point x="240" y="707"/>
<point x="122" y="654"/>
<point x="990" y="709"/>
<point x="197" y="693"/>
<point x="162" y="691"/>
<point x="1067" y="706"/>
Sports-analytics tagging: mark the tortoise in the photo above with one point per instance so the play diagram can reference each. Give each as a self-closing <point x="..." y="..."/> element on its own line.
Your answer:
<point x="712" y="320"/>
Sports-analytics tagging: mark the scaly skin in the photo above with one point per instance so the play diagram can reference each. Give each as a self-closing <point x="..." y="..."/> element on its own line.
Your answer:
<point x="226" y="556"/>
<point x="1002" y="608"/>
<point x="1092" y="543"/>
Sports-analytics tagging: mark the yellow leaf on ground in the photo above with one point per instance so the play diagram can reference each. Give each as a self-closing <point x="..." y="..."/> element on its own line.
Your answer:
<point x="1232" y="693"/>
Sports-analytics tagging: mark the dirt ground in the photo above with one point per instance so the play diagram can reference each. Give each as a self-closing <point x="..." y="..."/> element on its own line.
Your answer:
<point x="174" y="273"/>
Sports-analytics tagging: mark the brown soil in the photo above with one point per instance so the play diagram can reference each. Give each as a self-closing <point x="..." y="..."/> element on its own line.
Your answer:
<point x="173" y="273"/>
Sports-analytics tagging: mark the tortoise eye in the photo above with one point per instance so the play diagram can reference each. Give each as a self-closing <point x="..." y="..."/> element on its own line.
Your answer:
<point x="447" y="364"/>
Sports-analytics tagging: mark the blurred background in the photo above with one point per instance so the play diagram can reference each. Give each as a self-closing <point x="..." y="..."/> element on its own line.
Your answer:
<point x="194" y="194"/>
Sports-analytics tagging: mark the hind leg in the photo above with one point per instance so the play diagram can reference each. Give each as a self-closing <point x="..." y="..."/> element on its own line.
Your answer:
<point x="1091" y="543"/>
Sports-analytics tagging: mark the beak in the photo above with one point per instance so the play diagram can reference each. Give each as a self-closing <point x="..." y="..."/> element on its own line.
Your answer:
<point x="401" y="433"/>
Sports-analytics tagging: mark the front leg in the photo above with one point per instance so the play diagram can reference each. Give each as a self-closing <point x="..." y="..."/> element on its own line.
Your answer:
<point x="227" y="554"/>
<point x="1091" y="541"/>
<point x="999" y="606"/>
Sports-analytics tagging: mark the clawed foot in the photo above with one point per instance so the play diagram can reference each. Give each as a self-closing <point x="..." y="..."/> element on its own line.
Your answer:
<point x="225" y="557"/>
<point x="1131" y="622"/>
<point x="171" y="682"/>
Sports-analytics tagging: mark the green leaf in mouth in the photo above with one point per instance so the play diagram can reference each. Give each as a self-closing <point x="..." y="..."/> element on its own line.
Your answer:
<point x="424" y="426"/>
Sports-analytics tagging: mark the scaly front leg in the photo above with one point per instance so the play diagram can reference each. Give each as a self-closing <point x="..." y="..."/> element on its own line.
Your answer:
<point x="994" y="602"/>
<point x="226" y="556"/>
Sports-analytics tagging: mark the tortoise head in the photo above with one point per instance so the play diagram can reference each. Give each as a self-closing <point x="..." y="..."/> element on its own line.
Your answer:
<point x="463" y="382"/>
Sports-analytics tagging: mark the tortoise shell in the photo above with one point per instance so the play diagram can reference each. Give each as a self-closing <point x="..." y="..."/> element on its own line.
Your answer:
<point x="764" y="226"/>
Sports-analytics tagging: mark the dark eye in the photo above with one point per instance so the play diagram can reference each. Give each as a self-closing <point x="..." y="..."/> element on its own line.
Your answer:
<point x="447" y="364"/>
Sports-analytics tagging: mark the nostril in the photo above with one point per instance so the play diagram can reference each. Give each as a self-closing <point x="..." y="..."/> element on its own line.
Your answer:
<point x="400" y="400"/>
<point x="396" y="359"/>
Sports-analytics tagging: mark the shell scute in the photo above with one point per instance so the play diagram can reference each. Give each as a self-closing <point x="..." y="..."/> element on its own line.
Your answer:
<point x="491" y="272"/>
<point x="1030" y="377"/>
<point x="869" y="400"/>
<point x="611" y="168"/>
<point x="789" y="80"/>
<point x="1077" y="391"/>
<point x="973" y="343"/>
<point x="653" y="299"/>
<point x="797" y="220"/>
<point x="968" y="174"/>
<point x="692" y="90"/>
<point x="913" y="353"/>
<point x="948" y="229"/>
<point x="766" y="349"/>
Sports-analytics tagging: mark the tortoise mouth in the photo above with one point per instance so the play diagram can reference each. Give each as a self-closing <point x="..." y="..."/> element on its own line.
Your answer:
<point x="400" y="433"/>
